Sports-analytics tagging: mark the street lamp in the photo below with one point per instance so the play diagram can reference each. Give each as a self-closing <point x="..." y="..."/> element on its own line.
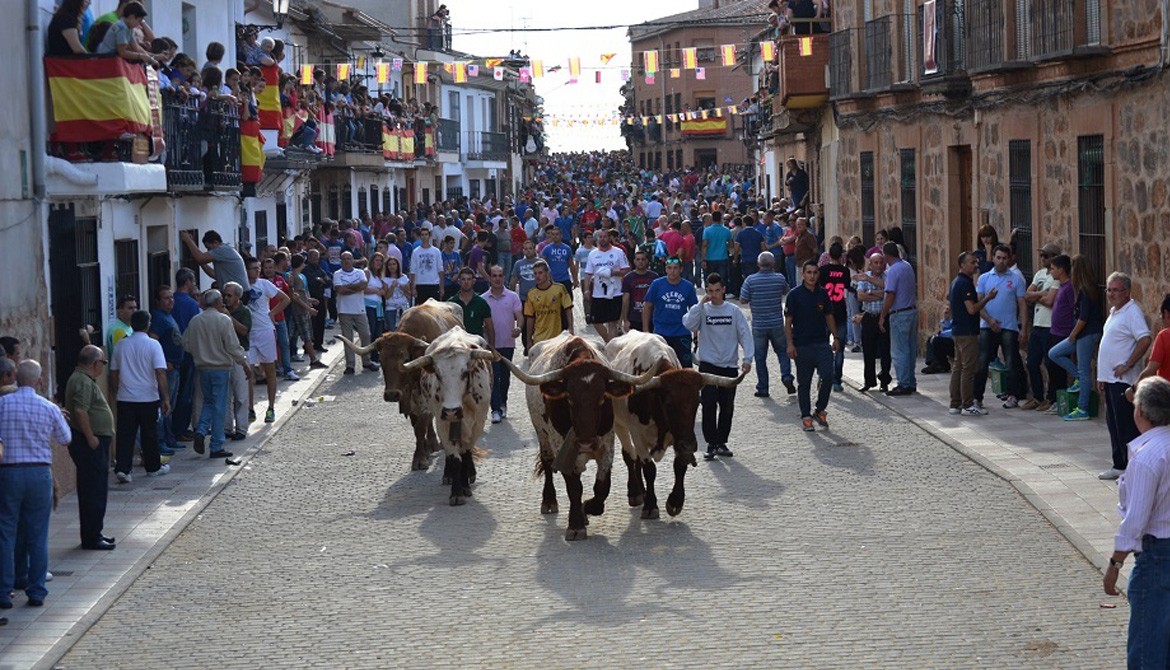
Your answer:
<point x="280" y="11"/>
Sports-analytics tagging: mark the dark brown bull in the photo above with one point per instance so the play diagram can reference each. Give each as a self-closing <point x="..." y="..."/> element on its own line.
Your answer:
<point x="659" y="414"/>
<point x="418" y="327"/>
<point x="570" y="395"/>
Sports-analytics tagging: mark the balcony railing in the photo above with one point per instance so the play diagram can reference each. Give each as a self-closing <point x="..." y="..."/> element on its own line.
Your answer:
<point x="879" y="70"/>
<point x="203" y="145"/>
<point x="803" y="59"/>
<point x="841" y="64"/>
<point x="1058" y="27"/>
<point x="944" y="68"/>
<point x="448" y="135"/>
<point x="184" y="155"/>
<point x="221" y="163"/>
<point x="487" y="146"/>
<point x="985" y="33"/>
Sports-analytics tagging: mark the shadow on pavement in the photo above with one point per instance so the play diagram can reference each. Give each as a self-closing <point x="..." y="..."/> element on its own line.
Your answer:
<point x="838" y="452"/>
<point x="739" y="483"/>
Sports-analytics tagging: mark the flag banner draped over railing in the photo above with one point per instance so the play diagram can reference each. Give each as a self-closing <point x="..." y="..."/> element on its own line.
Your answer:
<point x="97" y="98"/>
<point x="251" y="152"/>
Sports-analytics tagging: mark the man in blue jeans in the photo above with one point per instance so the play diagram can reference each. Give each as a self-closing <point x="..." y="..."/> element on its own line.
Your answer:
<point x="808" y="324"/>
<point x="716" y="245"/>
<point x="667" y="301"/>
<point x="164" y="327"/>
<point x="764" y="292"/>
<point x="27" y="423"/>
<point x="900" y="318"/>
<point x="1004" y="324"/>
<point x="212" y="341"/>
<point x="835" y="279"/>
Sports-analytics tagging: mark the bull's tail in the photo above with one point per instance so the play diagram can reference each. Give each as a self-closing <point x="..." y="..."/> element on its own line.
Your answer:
<point x="479" y="455"/>
<point x="538" y="471"/>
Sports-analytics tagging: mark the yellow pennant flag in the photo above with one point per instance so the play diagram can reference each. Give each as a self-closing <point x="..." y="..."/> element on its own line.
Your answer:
<point x="733" y="109"/>
<point x="343" y="71"/>
<point x="420" y="73"/>
<point x="806" y="45"/>
<point x="361" y="62"/>
<point x="383" y="73"/>
<point x="574" y="67"/>
<point x="493" y="62"/>
<point x="447" y="68"/>
<point x="650" y="59"/>
<point x="675" y="73"/>
<point x="605" y="58"/>
<point x="537" y="68"/>
<point x="719" y="113"/>
<point x="460" y="73"/>
<point x="728" y="55"/>
<point x="658" y="119"/>
<point x="690" y="58"/>
<point x="703" y="114"/>
<point x="767" y="50"/>
<point x="307" y="75"/>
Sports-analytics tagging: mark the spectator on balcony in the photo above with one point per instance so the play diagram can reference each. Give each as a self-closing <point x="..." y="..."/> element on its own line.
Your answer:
<point x="63" y="38"/>
<point x="107" y="20"/>
<point x="215" y="52"/>
<point x="214" y="86"/>
<point x="122" y="38"/>
<point x="436" y="28"/>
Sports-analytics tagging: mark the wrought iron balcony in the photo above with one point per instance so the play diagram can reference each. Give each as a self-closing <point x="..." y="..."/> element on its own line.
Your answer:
<point x="841" y="81"/>
<point x="203" y="145"/>
<point x="448" y="136"/>
<point x="944" y="67"/>
<point x="487" y="146"/>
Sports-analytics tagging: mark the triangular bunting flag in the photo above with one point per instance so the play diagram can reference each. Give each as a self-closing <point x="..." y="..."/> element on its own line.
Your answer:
<point x="605" y="58"/>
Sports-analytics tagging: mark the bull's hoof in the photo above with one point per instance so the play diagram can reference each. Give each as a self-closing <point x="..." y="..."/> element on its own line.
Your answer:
<point x="457" y="501"/>
<point x="471" y="478"/>
<point x="637" y="500"/>
<point x="419" y="465"/>
<point x="650" y="513"/>
<point x="594" y="507"/>
<point x="674" y="505"/>
<point x="467" y="491"/>
<point x="573" y="534"/>
<point x="549" y="508"/>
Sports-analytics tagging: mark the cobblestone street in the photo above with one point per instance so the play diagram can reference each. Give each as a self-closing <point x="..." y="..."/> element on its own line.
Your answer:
<point x="869" y="545"/>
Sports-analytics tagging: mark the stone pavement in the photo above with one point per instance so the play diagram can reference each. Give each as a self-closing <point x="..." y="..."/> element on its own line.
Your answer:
<point x="144" y="516"/>
<point x="869" y="545"/>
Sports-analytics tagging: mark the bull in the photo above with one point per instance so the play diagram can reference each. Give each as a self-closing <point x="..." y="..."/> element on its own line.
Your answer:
<point x="571" y="389"/>
<point x="659" y="414"/>
<point x="455" y="386"/>
<point x="418" y="327"/>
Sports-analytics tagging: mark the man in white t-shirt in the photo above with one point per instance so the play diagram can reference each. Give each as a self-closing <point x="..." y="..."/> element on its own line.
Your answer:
<point x="1123" y="346"/>
<point x="265" y="301"/>
<point x="532" y="225"/>
<point x="426" y="270"/>
<point x="138" y="376"/>
<point x="1041" y="293"/>
<point x="350" y="285"/>
<point x="604" y="268"/>
<point x="442" y="230"/>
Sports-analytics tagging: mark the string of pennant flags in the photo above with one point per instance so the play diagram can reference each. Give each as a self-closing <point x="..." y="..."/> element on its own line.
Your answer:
<point x="651" y="65"/>
<point x="616" y="118"/>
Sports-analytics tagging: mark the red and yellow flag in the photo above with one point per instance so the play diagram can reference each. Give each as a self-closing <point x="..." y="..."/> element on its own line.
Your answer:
<point x="675" y="73"/>
<point x="767" y="50"/>
<point x="728" y="55"/>
<point x="537" y="68"/>
<point x="493" y="62"/>
<point x="251" y="152"/>
<point x="307" y="75"/>
<point x="268" y="101"/>
<point x="705" y="127"/>
<point x="460" y="73"/>
<point x="574" y="67"/>
<point x="97" y="99"/>
<point x="383" y="73"/>
<point x="690" y="58"/>
<point x="605" y="58"/>
<point x="406" y="144"/>
<point x="420" y="73"/>
<point x="650" y="60"/>
<point x="343" y="71"/>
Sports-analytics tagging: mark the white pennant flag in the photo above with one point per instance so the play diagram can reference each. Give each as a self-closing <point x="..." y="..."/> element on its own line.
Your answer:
<point x="499" y="74"/>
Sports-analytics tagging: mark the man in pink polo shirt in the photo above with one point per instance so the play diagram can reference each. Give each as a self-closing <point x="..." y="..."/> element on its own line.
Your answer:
<point x="507" y="315"/>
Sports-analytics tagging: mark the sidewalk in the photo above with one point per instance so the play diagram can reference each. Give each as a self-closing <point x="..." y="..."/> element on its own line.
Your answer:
<point x="144" y="516"/>
<point x="1052" y="463"/>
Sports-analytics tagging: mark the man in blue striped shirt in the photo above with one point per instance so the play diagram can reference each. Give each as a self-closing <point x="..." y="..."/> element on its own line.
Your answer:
<point x="765" y="291"/>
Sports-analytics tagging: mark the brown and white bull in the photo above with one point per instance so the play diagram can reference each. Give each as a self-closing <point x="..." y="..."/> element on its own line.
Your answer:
<point x="571" y="390"/>
<point x="418" y="327"/>
<point x="659" y="414"/>
<point x="455" y="387"/>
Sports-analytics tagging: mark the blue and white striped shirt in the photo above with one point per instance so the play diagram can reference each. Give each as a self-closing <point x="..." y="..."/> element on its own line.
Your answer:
<point x="27" y="422"/>
<point x="765" y="291"/>
<point x="1144" y="491"/>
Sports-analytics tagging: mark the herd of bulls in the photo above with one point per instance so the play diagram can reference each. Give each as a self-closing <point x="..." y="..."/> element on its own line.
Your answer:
<point x="579" y="399"/>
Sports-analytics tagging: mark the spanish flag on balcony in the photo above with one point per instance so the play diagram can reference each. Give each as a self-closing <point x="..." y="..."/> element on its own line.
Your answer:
<point x="386" y="142"/>
<point x="406" y="146"/>
<point x="97" y="98"/>
<point x="706" y="126"/>
<point x="429" y="142"/>
<point x="251" y="152"/>
<point x="271" y="117"/>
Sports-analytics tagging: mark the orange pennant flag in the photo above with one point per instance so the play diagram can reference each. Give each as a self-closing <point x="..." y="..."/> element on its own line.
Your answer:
<point x="728" y="55"/>
<point x="420" y="73"/>
<point x="690" y="58"/>
<point x="493" y="62"/>
<point x="605" y="58"/>
<point x="767" y="50"/>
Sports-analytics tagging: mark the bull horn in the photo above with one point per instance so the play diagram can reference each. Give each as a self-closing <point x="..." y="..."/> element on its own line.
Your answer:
<point x="417" y="363"/>
<point x="360" y="351"/>
<point x="532" y="380"/>
<point x="619" y="376"/>
<point x="484" y="355"/>
<point x="719" y="380"/>
<point x="649" y="386"/>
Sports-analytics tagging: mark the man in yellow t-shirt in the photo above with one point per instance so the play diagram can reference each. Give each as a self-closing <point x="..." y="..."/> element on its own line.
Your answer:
<point x="547" y="303"/>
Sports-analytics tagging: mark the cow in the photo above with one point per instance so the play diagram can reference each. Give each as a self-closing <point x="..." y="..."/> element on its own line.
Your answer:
<point x="659" y="414"/>
<point x="455" y="387"/>
<point x="418" y="327"/>
<point x="570" y="395"/>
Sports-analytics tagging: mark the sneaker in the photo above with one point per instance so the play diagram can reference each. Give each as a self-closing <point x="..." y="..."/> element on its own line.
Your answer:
<point x="1030" y="405"/>
<point x="1001" y="396"/>
<point x="806" y="424"/>
<point x="975" y="410"/>
<point x="123" y="477"/>
<point x="496" y="418"/>
<point x="1075" y="387"/>
<point x="162" y="470"/>
<point x="48" y="576"/>
<point x="856" y="349"/>
<point x="317" y="365"/>
<point x="710" y="455"/>
<point x="199" y="448"/>
<point x="761" y="394"/>
<point x="166" y="451"/>
<point x="955" y="410"/>
<point x="503" y="412"/>
<point x="1077" y="414"/>
<point x="222" y="453"/>
<point x="251" y="415"/>
<point x="1010" y="402"/>
<point x="292" y="376"/>
<point x="790" y="387"/>
<point x="1053" y="409"/>
<point x="722" y="450"/>
<point x="297" y="358"/>
<point x="822" y="418"/>
<point x="270" y="415"/>
<point x="348" y="371"/>
<point x="1111" y="474"/>
<point x="838" y="388"/>
<point x="372" y="367"/>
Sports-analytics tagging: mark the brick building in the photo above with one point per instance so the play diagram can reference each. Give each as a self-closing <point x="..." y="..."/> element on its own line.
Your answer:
<point x="1049" y="118"/>
<point x="667" y="145"/>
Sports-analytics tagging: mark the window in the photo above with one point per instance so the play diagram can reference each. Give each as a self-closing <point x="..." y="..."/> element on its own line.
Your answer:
<point x="867" y="198"/>
<point x="89" y="271"/>
<point x="362" y="199"/>
<point x="984" y="34"/>
<point x="705" y="100"/>
<point x="670" y="160"/>
<point x="473" y="188"/>
<point x="642" y="160"/>
<point x="910" y="206"/>
<point x="281" y="223"/>
<point x="126" y="270"/>
<point x="261" y="231"/>
<point x="705" y="158"/>
<point x="678" y="158"/>
<point x="386" y="205"/>
<point x="1020" y="205"/>
<point x="347" y="201"/>
<point x="706" y="54"/>
<point x="1091" y="200"/>
<point x="334" y="202"/>
<point x="657" y="160"/>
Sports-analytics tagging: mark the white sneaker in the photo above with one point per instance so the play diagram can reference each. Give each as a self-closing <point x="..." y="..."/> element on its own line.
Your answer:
<point x="496" y="418"/>
<point x="162" y="470"/>
<point x="1010" y="402"/>
<point x="503" y="412"/>
<point x="1111" y="474"/>
<point x="48" y="576"/>
<point x="955" y="410"/>
<point x="292" y="376"/>
<point x="123" y="477"/>
<point x="975" y="410"/>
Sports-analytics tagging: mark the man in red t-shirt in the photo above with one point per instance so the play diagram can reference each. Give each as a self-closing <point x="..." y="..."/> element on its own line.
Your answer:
<point x="518" y="234"/>
<point x="1159" y="363"/>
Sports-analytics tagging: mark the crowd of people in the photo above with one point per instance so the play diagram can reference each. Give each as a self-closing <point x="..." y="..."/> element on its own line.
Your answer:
<point x="694" y="255"/>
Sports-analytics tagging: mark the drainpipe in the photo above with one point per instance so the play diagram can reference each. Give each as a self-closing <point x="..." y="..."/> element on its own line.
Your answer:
<point x="1165" y="33"/>
<point x="36" y="87"/>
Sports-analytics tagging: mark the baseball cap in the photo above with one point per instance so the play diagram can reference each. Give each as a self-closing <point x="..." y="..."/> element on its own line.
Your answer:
<point x="1050" y="249"/>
